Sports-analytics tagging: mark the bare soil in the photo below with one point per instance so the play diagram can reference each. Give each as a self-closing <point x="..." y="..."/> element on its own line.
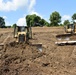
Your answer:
<point x="25" y="59"/>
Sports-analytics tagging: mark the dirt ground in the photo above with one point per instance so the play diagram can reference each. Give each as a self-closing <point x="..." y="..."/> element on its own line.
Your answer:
<point x="24" y="59"/>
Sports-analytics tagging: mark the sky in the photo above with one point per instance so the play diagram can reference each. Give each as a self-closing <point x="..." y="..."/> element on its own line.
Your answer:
<point x="15" y="11"/>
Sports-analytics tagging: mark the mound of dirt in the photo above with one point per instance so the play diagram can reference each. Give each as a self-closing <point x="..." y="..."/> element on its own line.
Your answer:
<point x="17" y="58"/>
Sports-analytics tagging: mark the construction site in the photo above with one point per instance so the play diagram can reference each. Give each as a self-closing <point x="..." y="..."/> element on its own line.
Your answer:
<point x="40" y="56"/>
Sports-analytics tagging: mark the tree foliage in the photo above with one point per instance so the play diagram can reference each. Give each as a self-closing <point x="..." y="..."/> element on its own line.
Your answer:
<point x="2" y="22"/>
<point x="66" y="22"/>
<point x="55" y="18"/>
<point x="74" y="16"/>
<point x="34" y="20"/>
<point x="14" y="25"/>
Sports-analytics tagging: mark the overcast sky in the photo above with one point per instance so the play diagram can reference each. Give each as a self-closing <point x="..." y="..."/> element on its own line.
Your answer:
<point x="14" y="11"/>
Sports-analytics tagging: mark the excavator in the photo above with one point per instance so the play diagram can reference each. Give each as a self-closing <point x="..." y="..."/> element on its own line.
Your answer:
<point x="69" y="37"/>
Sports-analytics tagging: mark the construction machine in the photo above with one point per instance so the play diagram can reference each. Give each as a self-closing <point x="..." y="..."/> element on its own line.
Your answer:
<point x="70" y="28"/>
<point x="69" y="37"/>
<point x="22" y="33"/>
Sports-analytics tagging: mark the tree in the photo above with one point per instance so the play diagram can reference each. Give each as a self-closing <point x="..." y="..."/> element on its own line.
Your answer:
<point x="14" y="25"/>
<point x="55" y="18"/>
<point x="2" y="22"/>
<point x="74" y="16"/>
<point x="28" y="20"/>
<point x="43" y="22"/>
<point x="60" y="24"/>
<point x="66" y="22"/>
<point x="47" y="24"/>
<point x="32" y="20"/>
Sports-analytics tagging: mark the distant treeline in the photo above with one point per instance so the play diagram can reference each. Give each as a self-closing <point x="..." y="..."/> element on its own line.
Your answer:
<point x="35" y="20"/>
<point x="5" y="27"/>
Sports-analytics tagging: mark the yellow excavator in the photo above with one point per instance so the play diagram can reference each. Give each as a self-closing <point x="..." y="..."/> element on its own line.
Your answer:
<point x="69" y="37"/>
<point x="22" y="33"/>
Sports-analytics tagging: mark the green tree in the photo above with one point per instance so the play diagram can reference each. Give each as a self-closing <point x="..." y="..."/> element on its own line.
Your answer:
<point x="43" y="22"/>
<point x="47" y="24"/>
<point x="2" y="22"/>
<point x="74" y="16"/>
<point x="66" y="22"/>
<point x="32" y="20"/>
<point x="14" y="25"/>
<point x="60" y="24"/>
<point x="55" y="18"/>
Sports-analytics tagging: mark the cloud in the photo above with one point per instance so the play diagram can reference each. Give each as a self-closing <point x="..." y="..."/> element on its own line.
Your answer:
<point x="66" y="17"/>
<point x="31" y="5"/>
<point x="21" y="22"/>
<point x="34" y="12"/>
<point x="5" y="17"/>
<point x="15" y="4"/>
<point x="6" y="22"/>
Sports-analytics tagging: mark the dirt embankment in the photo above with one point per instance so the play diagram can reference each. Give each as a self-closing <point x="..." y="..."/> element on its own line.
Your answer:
<point x="23" y="59"/>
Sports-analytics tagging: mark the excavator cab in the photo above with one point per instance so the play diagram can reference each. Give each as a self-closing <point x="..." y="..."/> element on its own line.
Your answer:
<point x="21" y="33"/>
